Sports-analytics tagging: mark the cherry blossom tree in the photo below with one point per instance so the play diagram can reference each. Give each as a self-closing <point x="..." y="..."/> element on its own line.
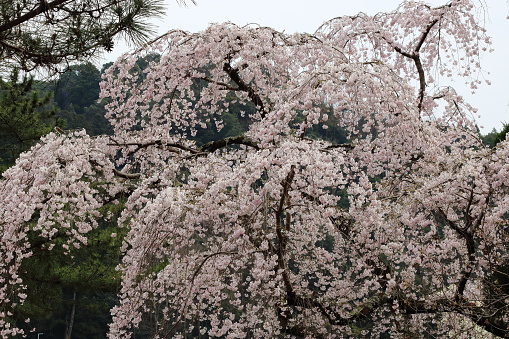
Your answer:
<point x="401" y="231"/>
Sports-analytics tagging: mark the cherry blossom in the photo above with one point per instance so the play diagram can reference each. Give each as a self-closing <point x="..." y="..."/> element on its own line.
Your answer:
<point x="273" y="233"/>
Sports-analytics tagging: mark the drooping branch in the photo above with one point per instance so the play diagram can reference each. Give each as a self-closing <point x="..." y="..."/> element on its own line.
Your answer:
<point x="192" y="281"/>
<point x="410" y="307"/>
<point x="234" y="75"/>
<point x="220" y="83"/>
<point x="284" y="195"/>
<point x="282" y="239"/>
<point x="491" y="325"/>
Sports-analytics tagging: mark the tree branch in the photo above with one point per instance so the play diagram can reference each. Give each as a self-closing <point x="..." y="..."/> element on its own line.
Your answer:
<point x="466" y="234"/>
<point x="233" y="73"/>
<point x="417" y="60"/>
<point x="126" y="175"/>
<point x="347" y="147"/>
<point x="469" y="310"/>
<point x="43" y="7"/>
<point x="238" y="140"/>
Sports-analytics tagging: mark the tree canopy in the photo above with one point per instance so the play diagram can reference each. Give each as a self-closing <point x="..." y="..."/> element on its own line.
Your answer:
<point x="25" y="115"/>
<point x="54" y="33"/>
<point x="269" y="231"/>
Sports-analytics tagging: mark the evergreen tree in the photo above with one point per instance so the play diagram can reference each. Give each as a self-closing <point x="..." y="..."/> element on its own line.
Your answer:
<point x="71" y="296"/>
<point x="502" y="134"/>
<point x="494" y="137"/>
<point x="25" y="115"/>
<point x="77" y="95"/>
<point x="78" y="86"/>
<point x="489" y="139"/>
<point x="53" y="34"/>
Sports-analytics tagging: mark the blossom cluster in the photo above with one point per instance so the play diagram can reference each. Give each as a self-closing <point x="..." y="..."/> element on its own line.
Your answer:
<point x="273" y="233"/>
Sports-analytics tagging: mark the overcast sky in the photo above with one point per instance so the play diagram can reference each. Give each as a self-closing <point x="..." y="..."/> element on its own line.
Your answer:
<point x="306" y="15"/>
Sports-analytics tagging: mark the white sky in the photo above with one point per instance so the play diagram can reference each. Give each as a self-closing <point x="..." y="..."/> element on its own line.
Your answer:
<point x="306" y="15"/>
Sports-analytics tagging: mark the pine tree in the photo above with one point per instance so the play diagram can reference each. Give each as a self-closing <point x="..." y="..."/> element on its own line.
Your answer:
<point x="25" y="115"/>
<point x="48" y="34"/>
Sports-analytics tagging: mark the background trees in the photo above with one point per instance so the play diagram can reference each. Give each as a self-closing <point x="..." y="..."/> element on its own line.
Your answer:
<point x="26" y="113"/>
<point x="274" y="231"/>
<point x="494" y="137"/>
<point x="77" y="96"/>
<point x="78" y="86"/>
<point x="50" y="35"/>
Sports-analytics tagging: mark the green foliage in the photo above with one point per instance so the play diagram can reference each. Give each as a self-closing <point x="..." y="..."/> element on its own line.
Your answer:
<point x="78" y="86"/>
<point x="54" y="34"/>
<point x="493" y="138"/>
<point x="25" y="115"/>
<point x="489" y="139"/>
<point x="77" y="94"/>
<point x="501" y="135"/>
<point x="86" y="280"/>
<point x="232" y="126"/>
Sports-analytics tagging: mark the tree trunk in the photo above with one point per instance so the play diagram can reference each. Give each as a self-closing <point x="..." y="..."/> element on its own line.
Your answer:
<point x="70" y="323"/>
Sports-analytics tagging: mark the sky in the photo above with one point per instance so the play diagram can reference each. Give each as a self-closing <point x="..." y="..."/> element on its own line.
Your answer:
<point x="307" y="15"/>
